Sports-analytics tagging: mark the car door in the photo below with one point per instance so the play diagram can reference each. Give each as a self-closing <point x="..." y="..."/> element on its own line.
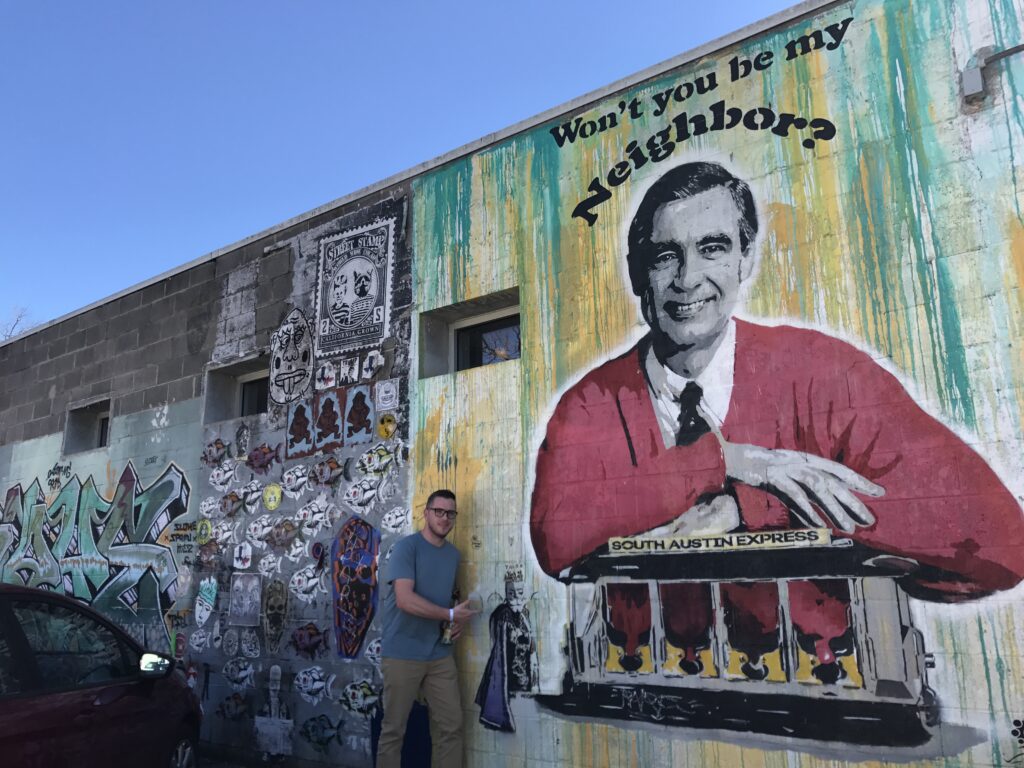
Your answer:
<point x="89" y="679"/>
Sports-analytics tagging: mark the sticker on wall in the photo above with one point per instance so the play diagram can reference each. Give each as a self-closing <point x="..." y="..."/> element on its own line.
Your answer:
<point x="353" y="298"/>
<point x="385" y="394"/>
<point x="316" y="515"/>
<point x="275" y="612"/>
<point x="291" y="359"/>
<point x="204" y="531"/>
<point x="273" y="725"/>
<point x="328" y="434"/>
<point x="230" y="642"/>
<point x="272" y="495"/>
<point x="360" y="697"/>
<point x="231" y="504"/>
<point x="282" y="533"/>
<point x="269" y="565"/>
<point x="223" y="475"/>
<point x="244" y="605"/>
<point x="224" y="532"/>
<point x="359" y="416"/>
<point x="387" y="425"/>
<point x="240" y="674"/>
<point x="214" y="453"/>
<point x="199" y="640"/>
<point x="359" y="495"/>
<point x="306" y="584"/>
<point x="299" y="442"/>
<point x="209" y="555"/>
<point x="326" y="376"/>
<point x="249" y="643"/>
<point x="373" y="653"/>
<point x="309" y="641"/>
<point x="372" y="362"/>
<point x="294" y="481"/>
<point x="313" y="684"/>
<point x="243" y="556"/>
<point x="263" y="457"/>
<point x="209" y="506"/>
<point x="395" y="521"/>
<point x="354" y="582"/>
<point x="348" y="371"/>
<point x="326" y="473"/>
<point x="205" y="600"/>
<point x="320" y="732"/>
<point x="258" y="531"/>
<point x="252" y="494"/>
<point x="233" y="707"/>
<point x="242" y="440"/>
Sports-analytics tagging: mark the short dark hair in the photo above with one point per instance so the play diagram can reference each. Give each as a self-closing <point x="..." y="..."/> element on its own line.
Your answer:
<point x="442" y="493"/>
<point x="679" y="183"/>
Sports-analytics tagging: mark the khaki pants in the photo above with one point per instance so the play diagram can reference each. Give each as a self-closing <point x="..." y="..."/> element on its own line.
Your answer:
<point x="439" y="682"/>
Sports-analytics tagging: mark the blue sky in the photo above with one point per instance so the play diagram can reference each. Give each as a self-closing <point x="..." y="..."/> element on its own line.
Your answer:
<point x="138" y="136"/>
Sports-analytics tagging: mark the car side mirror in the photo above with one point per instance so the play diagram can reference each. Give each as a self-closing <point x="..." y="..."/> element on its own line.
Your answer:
<point x="153" y="666"/>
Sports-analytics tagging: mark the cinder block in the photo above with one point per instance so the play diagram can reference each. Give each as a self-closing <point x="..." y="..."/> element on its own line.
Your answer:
<point x="155" y="396"/>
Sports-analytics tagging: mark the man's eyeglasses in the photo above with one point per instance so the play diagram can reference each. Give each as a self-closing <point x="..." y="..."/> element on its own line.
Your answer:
<point x="439" y="512"/>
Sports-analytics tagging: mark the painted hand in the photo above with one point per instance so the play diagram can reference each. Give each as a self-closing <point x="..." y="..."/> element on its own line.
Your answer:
<point x="717" y="515"/>
<point x="809" y="485"/>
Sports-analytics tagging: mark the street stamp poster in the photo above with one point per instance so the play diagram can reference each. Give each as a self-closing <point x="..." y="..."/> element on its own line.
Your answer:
<point x="353" y="307"/>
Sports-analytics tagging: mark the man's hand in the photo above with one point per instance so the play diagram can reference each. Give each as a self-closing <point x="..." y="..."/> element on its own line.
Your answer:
<point x="463" y="613"/>
<point x="806" y="483"/>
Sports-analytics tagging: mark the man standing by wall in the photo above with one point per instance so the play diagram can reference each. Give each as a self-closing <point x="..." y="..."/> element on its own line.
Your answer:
<point x="419" y="581"/>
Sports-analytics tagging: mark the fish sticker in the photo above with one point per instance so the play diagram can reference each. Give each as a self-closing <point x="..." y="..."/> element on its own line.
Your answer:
<point x="326" y="473"/>
<point x="231" y="504"/>
<point x="224" y="532"/>
<point x="306" y="584"/>
<point x="294" y="481"/>
<point x="209" y="507"/>
<point x="380" y="460"/>
<point x="373" y="653"/>
<point x="199" y="641"/>
<point x="360" y="495"/>
<point x="258" y="530"/>
<point x="395" y="521"/>
<point x="309" y="641"/>
<point x="296" y="551"/>
<point x="263" y="457"/>
<point x="240" y="674"/>
<point x="359" y="697"/>
<point x="223" y="475"/>
<point x="281" y="534"/>
<point x="269" y="565"/>
<point x="320" y="731"/>
<point x="316" y="515"/>
<point x="214" y="453"/>
<point x="313" y="684"/>
<point x="252" y="494"/>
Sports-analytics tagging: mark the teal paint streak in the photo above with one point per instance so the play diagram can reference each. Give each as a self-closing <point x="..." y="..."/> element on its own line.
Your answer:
<point x="921" y="151"/>
<point x="445" y="212"/>
<point x="996" y="758"/>
<point x="1007" y="33"/>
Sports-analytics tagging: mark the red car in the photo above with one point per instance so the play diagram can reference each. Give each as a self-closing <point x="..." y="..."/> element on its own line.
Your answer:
<point x="76" y="691"/>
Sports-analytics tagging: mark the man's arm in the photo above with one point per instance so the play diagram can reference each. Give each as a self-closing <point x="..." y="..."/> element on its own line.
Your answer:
<point x="412" y="603"/>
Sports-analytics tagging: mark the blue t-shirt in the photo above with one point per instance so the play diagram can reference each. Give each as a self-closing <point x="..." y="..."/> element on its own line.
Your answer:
<point x="432" y="570"/>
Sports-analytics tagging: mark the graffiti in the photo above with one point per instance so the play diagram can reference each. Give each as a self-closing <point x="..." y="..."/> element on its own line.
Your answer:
<point x="206" y="600"/>
<point x="252" y="495"/>
<point x="244" y="605"/>
<point x="309" y="641"/>
<point x="299" y="442"/>
<point x="230" y="642"/>
<point x="353" y="296"/>
<point x="348" y="370"/>
<point x="249" y="643"/>
<point x="354" y="582"/>
<point x="385" y="394"/>
<point x="274" y="725"/>
<point x="372" y="363"/>
<point x="512" y="666"/>
<point x="294" y="480"/>
<point x="243" y="556"/>
<point x="320" y="732"/>
<point x="269" y="565"/>
<point x="57" y="475"/>
<point x="373" y="653"/>
<point x="275" y="611"/>
<point x="223" y="475"/>
<point x="313" y="684"/>
<point x="109" y="554"/>
<point x="306" y="584"/>
<point x="387" y="425"/>
<point x="326" y="473"/>
<point x="395" y="521"/>
<point x="291" y="359"/>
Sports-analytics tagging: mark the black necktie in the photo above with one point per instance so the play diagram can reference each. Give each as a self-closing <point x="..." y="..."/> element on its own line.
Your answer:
<point x="691" y="424"/>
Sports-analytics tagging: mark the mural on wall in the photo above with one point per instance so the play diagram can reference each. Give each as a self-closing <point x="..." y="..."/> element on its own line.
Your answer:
<point x="115" y="555"/>
<point x="354" y="288"/>
<point x="733" y="428"/>
<point x="512" y="665"/>
<point x="291" y="359"/>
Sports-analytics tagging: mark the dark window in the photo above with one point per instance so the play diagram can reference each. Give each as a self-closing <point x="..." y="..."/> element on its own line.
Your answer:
<point x="13" y="677"/>
<point x="104" y="431"/>
<point x="87" y="427"/>
<point x="492" y="342"/>
<point x="254" y="396"/>
<point x="71" y="650"/>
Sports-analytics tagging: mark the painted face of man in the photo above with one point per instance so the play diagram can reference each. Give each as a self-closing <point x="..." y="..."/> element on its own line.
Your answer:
<point x="695" y="268"/>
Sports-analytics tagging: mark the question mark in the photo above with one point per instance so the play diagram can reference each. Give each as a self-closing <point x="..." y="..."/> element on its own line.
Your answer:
<point x="822" y="130"/>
